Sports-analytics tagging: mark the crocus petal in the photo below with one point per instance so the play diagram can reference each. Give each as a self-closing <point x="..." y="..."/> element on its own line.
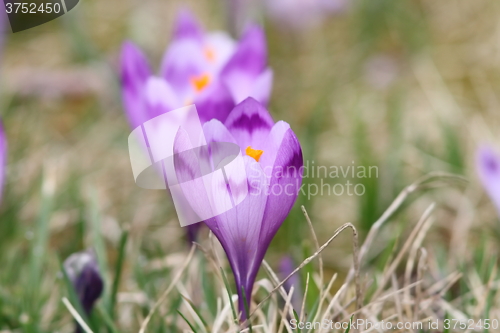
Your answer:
<point x="242" y="85"/>
<point x="262" y="87"/>
<point x="83" y="271"/>
<point x="183" y="61"/>
<point x="238" y="229"/>
<point x="284" y="186"/>
<point x="3" y="158"/>
<point x="189" y="170"/>
<point x="250" y="124"/>
<point x="192" y="232"/>
<point x="187" y="26"/>
<point x="214" y="103"/>
<point x="160" y="97"/>
<point x="246" y="65"/>
<point x="251" y="53"/>
<point x="135" y="71"/>
<point x="215" y="131"/>
<point x="285" y="182"/>
<point x="488" y="166"/>
<point x="209" y="176"/>
<point x="286" y="267"/>
<point x="219" y="47"/>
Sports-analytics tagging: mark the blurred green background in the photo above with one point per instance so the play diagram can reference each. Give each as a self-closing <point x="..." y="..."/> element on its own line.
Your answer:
<point x="409" y="86"/>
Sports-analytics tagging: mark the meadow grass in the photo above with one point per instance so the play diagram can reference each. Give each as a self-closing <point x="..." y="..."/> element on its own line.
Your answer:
<point x="420" y="245"/>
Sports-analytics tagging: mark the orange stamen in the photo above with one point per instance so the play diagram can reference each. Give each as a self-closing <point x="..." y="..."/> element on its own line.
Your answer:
<point x="255" y="153"/>
<point x="209" y="54"/>
<point x="200" y="82"/>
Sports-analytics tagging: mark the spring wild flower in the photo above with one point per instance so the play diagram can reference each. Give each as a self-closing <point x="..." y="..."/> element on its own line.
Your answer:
<point x="84" y="274"/>
<point x="273" y="163"/>
<point x="286" y="268"/>
<point x="488" y="166"/>
<point x="209" y="70"/>
<point x="303" y="14"/>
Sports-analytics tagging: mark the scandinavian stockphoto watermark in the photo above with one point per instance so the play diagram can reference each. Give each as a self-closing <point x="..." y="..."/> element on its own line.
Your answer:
<point x="325" y="180"/>
<point x="384" y="326"/>
<point x="206" y="179"/>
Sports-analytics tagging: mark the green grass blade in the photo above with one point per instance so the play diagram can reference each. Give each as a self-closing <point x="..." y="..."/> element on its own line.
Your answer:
<point x="118" y="273"/>
<point x="106" y="318"/>
<point x="39" y="248"/>
<point x="98" y="242"/>
<point x="226" y="283"/>
<point x="187" y="321"/>
<point x="297" y="319"/>
<point x="208" y="288"/>
<point x="350" y="323"/>
<point x="247" y="310"/>
<point x="196" y="311"/>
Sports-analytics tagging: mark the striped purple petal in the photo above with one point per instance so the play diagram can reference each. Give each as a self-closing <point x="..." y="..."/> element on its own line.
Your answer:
<point x="187" y="26"/>
<point x="239" y="228"/>
<point x="183" y="62"/>
<point x="244" y="69"/>
<point x="273" y="182"/>
<point x="135" y="71"/>
<point x="214" y="103"/>
<point x="250" y="124"/>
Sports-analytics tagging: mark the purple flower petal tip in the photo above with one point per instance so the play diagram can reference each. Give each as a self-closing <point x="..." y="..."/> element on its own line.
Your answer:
<point x="251" y="53"/>
<point x="134" y="65"/>
<point x="187" y="26"/>
<point x="84" y="274"/>
<point x="250" y="116"/>
<point x="488" y="167"/>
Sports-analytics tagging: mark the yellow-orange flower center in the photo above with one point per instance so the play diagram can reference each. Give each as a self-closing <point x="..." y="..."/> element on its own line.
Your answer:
<point x="255" y="153"/>
<point x="200" y="82"/>
<point x="209" y="54"/>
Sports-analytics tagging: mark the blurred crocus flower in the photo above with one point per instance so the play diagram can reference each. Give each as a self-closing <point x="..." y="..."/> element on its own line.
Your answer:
<point x="272" y="178"/>
<point x="83" y="271"/>
<point x="209" y="70"/>
<point x="303" y="14"/>
<point x="3" y="158"/>
<point x="488" y="166"/>
<point x="287" y="266"/>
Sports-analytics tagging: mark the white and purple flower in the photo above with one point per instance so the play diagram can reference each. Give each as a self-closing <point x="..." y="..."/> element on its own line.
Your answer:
<point x="273" y="176"/>
<point x="488" y="167"/>
<point x="302" y="14"/>
<point x="209" y="70"/>
<point x="84" y="274"/>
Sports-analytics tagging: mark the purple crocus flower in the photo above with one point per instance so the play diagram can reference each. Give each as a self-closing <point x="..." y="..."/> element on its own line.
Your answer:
<point x="209" y="70"/>
<point x="488" y="166"/>
<point x="287" y="266"/>
<point x="84" y="274"/>
<point x="273" y="163"/>
<point x="302" y="14"/>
